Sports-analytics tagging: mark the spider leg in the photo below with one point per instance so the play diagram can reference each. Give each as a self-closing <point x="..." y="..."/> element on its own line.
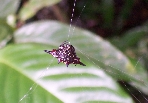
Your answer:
<point x="47" y="51"/>
<point x="82" y="64"/>
<point x="59" y="60"/>
<point x="66" y="64"/>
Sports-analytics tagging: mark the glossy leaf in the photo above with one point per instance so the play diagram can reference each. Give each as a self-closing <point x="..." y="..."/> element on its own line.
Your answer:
<point x="94" y="49"/>
<point x="28" y="75"/>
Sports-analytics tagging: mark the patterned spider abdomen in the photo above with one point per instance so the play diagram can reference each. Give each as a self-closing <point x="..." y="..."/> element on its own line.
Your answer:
<point x="66" y="54"/>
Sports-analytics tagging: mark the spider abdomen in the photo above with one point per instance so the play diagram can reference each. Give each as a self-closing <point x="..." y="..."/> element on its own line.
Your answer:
<point x="66" y="54"/>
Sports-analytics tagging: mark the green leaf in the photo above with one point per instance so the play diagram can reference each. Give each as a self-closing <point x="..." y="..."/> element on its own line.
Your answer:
<point x="131" y="37"/>
<point x="142" y="77"/>
<point x="29" y="75"/>
<point x="94" y="49"/>
<point x="8" y="7"/>
<point x="5" y="33"/>
<point x="32" y="6"/>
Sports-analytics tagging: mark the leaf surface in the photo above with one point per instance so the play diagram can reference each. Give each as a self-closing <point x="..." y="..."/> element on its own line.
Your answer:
<point x="94" y="49"/>
<point x="28" y="75"/>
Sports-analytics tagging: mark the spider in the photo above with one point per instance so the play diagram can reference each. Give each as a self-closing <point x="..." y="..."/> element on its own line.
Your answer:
<point x="66" y="54"/>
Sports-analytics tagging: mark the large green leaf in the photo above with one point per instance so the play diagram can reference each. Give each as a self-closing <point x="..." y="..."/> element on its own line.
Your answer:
<point x="94" y="49"/>
<point x="32" y="6"/>
<point x="28" y="75"/>
<point x="8" y="7"/>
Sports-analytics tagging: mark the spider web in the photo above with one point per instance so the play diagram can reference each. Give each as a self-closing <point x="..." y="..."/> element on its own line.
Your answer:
<point x="70" y="33"/>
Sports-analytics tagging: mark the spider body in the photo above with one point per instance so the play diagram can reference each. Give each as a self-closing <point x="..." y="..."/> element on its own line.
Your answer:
<point x="66" y="54"/>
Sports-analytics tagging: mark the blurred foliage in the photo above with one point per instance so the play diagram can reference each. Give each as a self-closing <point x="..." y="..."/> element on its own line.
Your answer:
<point x="31" y="7"/>
<point x="8" y="8"/>
<point x="27" y="74"/>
